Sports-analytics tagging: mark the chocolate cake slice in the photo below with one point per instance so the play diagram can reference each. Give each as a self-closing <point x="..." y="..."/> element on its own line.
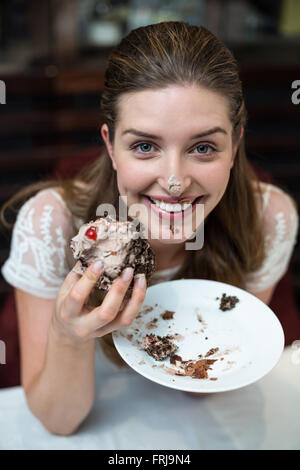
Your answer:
<point x="118" y="245"/>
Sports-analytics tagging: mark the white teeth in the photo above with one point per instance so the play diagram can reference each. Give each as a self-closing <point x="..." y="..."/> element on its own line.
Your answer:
<point x="171" y="207"/>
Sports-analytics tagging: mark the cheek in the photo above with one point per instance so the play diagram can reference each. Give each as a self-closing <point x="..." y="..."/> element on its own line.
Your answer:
<point x="213" y="177"/>
<point x="133" y="179"/>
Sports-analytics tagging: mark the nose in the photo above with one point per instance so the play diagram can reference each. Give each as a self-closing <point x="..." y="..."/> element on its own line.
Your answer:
<point x="174" y="178"/>
<point x="174" y="185"/>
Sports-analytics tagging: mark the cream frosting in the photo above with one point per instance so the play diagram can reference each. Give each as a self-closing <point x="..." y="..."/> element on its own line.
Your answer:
<point x="110" y="246"/>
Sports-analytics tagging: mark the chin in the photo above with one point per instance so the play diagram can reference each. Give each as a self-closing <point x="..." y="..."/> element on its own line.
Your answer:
<point x="170" y="241"/>
<point x="169" y="237"/>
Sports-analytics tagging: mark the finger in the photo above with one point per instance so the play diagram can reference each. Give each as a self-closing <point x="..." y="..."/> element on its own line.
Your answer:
<point x="81" y="290"/>
<point x="126" y="316"/>
<point x="137" y="298"/>
<point x="71" y="278"/>
<point x="111" y="304"/>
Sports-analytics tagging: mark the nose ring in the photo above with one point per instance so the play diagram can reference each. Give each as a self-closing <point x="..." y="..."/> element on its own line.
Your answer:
<point x="174" y="185"/>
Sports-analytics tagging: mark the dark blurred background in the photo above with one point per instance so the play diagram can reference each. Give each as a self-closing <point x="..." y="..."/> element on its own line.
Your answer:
<point x="53" y="55"/>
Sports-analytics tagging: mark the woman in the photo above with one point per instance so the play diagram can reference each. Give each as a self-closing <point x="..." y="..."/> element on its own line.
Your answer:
<point x="174" y="132"/>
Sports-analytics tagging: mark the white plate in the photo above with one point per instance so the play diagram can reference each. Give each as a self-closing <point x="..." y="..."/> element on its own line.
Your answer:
<point x="249" y="336"/>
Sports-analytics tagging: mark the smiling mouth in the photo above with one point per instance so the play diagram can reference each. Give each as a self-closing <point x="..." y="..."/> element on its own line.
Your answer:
<point x="174" y="208"/>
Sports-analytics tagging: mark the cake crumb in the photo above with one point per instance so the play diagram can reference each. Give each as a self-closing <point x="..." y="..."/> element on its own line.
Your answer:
<point x="158" y="347"/>
<point x="152" y="324"/>
<point x="167" y="315"/>
<point x="228" y="302"/>
<point x="146" y="309"/>
<point x="211" y="352"/>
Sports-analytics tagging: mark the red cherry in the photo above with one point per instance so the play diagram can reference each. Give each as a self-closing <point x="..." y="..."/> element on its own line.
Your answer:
<point x="91" y="233"/>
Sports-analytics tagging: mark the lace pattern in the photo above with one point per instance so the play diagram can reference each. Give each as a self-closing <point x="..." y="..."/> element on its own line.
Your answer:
<point x="281" y="228"/>
<point x="37" y="262"/>
<point x="40" y="259"/>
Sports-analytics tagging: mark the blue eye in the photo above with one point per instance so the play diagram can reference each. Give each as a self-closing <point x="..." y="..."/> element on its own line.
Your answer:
<point x="144" y="147"/>
<point x="203" y="148"/>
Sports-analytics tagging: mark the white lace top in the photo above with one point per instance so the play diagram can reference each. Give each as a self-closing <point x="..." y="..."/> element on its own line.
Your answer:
<point x="40" y="259"/>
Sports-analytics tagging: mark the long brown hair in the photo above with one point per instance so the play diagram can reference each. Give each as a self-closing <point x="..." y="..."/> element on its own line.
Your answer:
<point x="154" y="57"/>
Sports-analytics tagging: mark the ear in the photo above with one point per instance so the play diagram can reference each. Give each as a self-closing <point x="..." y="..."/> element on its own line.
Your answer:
<point x="236" y="147"/>
<point x="105" y="137"/>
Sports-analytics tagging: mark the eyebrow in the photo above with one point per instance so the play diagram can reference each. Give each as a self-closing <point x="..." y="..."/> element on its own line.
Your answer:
<point x="138" y="133"/>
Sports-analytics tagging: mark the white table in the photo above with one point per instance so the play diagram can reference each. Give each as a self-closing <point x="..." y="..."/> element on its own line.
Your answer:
<point x="131" y="412"/>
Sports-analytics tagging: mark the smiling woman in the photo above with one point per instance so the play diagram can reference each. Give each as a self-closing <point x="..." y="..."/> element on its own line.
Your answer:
<point x="201" y="160"/>
<point x="174" y="118"/>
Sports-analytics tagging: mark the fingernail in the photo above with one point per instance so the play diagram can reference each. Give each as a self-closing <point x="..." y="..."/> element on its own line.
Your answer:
<point x="97" y="266"/>
<point x="127" y="274"/>
<point x="140" y="280"/>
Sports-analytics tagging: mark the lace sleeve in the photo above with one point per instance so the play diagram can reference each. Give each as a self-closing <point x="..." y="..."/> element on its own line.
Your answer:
<point x="37" y="261"/>
<point x="281" y="228"/>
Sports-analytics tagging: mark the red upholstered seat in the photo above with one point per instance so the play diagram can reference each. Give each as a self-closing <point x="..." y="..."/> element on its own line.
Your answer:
<point x="283" y="302"/>
<point x="10" y="371"/>
<point x="69" y="167"/>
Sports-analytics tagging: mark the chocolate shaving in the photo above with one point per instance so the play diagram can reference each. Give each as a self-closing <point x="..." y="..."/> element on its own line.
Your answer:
<point x="167" y="315"/>
<point x="174" y="358"/>
<point x="152" y="324"/>
<point x="211" y="352"/>
<point x="198" y="369"/>
<point x="228" y="302"/>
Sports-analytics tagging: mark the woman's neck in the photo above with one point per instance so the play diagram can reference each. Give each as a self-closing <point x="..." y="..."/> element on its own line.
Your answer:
<point x="167" y="257"/>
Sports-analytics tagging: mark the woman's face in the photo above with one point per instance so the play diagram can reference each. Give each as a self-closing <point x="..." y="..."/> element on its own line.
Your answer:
<point x="156" y="137"/>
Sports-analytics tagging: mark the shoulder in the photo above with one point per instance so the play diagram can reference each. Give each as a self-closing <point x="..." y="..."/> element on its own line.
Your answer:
<point x="279" y="211"/>
<point x="50" y="196"/>
<point x="38" y="259"/>
<point x="46" y="207"/>
<point x="280" y="224"/>
<point x="43" y="223"/>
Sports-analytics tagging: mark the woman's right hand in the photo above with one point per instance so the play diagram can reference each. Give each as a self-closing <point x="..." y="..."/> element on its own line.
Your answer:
<point x="75" y="324"/>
